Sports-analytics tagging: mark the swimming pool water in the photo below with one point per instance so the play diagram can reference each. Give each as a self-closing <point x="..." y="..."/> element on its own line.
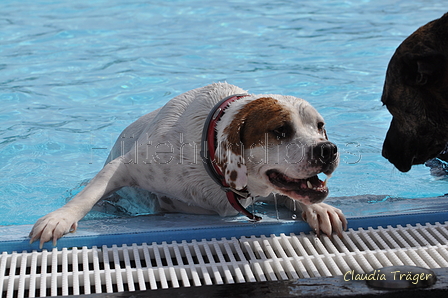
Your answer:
<point x="74" y="74"/>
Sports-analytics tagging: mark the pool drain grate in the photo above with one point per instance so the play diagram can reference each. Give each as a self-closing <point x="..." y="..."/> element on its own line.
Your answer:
<point x="85" y="270"/>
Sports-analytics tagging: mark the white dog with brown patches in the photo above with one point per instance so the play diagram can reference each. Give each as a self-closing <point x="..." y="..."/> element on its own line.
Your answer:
<point x="258" y="145"/>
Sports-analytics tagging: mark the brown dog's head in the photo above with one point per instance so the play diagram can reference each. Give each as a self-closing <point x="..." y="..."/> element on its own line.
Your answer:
<point x="416" y="94"/>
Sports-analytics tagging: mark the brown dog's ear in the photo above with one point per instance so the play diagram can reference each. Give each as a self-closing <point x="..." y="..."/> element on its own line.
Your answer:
<point x="424" y="68"/>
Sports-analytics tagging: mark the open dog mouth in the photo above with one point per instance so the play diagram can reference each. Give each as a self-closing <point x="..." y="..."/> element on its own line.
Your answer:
<point x="309" y="191"/>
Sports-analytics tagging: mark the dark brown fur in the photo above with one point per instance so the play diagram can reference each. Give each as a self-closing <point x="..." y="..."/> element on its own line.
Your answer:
<point x="416" y="94"/>
<point x="256" y="119"/>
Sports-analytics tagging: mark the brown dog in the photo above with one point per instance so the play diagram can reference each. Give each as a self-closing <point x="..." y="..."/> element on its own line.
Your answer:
<point x="416" y="94"/>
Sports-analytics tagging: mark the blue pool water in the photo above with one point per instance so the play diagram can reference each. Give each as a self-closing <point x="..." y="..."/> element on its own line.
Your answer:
<point x="74" y="74"/>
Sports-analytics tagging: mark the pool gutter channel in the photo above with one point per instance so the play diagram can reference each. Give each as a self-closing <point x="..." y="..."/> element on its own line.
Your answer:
<point x="223" y="259"/>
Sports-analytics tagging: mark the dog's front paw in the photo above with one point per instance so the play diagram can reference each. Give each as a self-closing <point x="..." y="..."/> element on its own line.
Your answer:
<point x="325" y="218"/>
<point x="53" y="226"/>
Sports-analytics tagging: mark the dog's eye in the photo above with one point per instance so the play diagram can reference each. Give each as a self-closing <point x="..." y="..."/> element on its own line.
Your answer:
<point x="280" y="132"/>
<point x="320" y="125"/>
<point x="283" y="131"/>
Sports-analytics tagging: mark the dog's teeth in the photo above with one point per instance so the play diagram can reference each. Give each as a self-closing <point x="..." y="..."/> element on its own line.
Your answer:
<point x="309" y="184"/>
<point x="325" y="183"/>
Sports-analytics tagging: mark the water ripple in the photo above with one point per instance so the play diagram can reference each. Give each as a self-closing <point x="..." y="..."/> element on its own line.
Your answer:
<point x="75" y="73"/>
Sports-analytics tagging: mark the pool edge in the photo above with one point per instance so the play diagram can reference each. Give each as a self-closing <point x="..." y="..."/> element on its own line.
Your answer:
<point x="149" y="229"/>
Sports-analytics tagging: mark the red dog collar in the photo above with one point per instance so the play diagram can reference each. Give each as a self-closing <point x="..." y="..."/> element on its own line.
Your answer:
<point x="209" y="143"/>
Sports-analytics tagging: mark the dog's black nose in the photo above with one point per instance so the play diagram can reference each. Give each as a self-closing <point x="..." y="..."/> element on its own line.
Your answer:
<point x="325" y="152"/>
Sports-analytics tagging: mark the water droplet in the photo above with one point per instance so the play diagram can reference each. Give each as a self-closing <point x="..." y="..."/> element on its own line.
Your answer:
<point x="253" y="220"/>
<point x="294" y="209"/>
<point x="276" y="206"/>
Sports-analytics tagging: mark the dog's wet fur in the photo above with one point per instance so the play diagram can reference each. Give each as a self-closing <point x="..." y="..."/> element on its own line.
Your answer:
<point x="416" y="94"/>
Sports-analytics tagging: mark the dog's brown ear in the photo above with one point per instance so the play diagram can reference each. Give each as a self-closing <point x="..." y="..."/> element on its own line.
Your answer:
<point x="424" y="68"/>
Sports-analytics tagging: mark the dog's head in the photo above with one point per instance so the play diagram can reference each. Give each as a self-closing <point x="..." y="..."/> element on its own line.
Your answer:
<point x="274" y="143"/>
<point x="416" y="94"/>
